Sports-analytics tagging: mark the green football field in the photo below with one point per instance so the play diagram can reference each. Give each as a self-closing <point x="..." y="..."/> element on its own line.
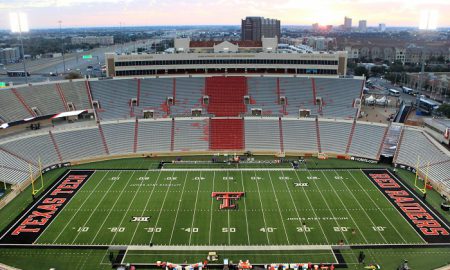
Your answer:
<point x="333" y="206"/>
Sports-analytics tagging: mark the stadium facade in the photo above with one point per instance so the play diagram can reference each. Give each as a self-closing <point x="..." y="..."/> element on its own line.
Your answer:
<point x="190" y="57"/>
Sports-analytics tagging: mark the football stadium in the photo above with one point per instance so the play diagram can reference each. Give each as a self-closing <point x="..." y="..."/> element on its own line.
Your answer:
<point x="183" y="171"/>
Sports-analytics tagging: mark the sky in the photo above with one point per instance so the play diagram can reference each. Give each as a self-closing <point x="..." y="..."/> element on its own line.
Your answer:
<point x="88" y="13"/>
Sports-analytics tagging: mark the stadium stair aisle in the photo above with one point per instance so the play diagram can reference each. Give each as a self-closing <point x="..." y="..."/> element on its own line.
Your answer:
<point x="226" y="99"/>
<point x="226" y="134"/>
<point x="226" y="95"/>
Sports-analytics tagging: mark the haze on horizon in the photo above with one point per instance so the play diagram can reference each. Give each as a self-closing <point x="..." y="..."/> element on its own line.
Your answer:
<point x="92" y="13"/>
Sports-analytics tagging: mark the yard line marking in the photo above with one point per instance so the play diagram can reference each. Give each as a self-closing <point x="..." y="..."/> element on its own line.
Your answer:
<point x="262" y="211"/>
<point x="128" y="209"/>
<point x="382" y="212"/>
<point x="365" y="212"/>
<point x="178" y="209"/>
<point x="109" y="213"/>
<point x="79" y="208"/>
<point x="295" y="206"/>
<point x="211" y="210"/>
<point x="245" y="207"/>
<point x="92" y="213"/>
<point x="145" y="207"/>
<point x="279" y="209"/>
<point x="348" y="212"/>
<point x="160" y="210"/>
<point x="361" y="170"/>
<point x="328" y="206"/>
<point x="195" y="210"/>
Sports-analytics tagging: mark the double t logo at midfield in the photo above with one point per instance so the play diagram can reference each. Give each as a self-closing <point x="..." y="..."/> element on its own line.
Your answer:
<point x="227" y="199"/>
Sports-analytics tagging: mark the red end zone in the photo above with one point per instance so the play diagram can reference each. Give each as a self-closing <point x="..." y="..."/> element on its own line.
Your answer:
<point x="37" y="217"/>
<point x="429" y="226"/>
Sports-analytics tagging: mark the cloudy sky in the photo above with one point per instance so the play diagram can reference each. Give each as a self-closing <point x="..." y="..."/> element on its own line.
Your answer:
<point x="83" y="13"/>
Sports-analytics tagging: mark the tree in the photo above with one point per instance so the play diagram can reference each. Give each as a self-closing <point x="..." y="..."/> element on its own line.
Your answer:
<point x="359" y="71"/>
<point x="444" y="109"/>
<point x="72" y="76"/>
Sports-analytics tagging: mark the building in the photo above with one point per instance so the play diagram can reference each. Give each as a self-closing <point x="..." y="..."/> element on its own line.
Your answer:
<point x="255" y="28"/>
<point x="185" y="45"/>
<point x="438" y="83"/>
<point x="347" y="23"/>
<point x="320" y="43"/>
<point x="9" y="55"/>
<point x="382" y="27"/>
<point x="214" y="59"/>
<point x="315" y="27"/>
<point x="93" y="40"/>
<point x="362" y="26"/>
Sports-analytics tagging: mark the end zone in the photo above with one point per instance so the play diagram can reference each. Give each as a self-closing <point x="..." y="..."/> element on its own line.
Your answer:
<point x="35" y="219"/>
<point x="416" y="212"/>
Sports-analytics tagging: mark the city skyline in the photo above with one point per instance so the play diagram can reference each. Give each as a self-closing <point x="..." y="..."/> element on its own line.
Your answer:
<point x="98" y="13"/>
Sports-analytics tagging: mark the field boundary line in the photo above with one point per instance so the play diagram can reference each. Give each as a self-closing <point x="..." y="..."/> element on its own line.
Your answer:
<point x="234" y="248"/>
<point x="395" y="228"/>
<point x="73" y="216"/>
<point x="225" y="169"/>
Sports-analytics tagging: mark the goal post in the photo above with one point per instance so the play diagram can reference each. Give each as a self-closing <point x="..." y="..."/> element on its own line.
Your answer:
<point x="35" y="189"/>
<point x="417" y="180"/>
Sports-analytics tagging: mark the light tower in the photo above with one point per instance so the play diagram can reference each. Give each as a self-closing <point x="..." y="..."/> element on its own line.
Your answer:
<point x="19" y="24"/>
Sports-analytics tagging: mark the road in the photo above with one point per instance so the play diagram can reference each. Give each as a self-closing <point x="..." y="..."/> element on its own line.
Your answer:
<point x="40" y="69"/>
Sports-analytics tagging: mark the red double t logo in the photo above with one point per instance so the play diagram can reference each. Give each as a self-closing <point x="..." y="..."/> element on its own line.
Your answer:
<point x="227" y="199"/>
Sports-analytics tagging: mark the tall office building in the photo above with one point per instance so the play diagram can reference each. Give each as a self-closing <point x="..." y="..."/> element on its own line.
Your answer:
<point x="254" y="28"/>
<point x="382" y="27"/>
<point x="362" y="26"/>
<point x="348" y="23"/>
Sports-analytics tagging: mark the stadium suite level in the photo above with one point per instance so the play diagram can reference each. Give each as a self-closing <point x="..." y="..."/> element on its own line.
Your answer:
<point x="324" y="64"/>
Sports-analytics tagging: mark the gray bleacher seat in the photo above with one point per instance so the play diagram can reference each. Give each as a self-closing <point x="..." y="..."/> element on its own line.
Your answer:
<point x="334" y="136"/>
<point x="367" y="140"/>
<point x="119" y="137"/>
<point x="262" y="134"/>
<point x="299" y="135"/>
<point x="191" y="134"/>
<point x="79" y="143"/>
<point x="154" y="136"/>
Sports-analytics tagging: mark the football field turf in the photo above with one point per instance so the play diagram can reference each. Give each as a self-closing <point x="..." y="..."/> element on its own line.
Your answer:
<point x="279" y="207"/>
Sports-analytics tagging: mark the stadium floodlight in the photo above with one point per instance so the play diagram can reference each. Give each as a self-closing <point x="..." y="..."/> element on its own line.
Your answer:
<point x="428" y="20"/>
<point x="19" y="24"/>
